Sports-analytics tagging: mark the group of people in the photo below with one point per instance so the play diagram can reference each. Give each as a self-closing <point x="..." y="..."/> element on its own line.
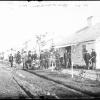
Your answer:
<point x="90" y="58"/>
<point x="25" y="58"/>
<point x="51" y="58"/>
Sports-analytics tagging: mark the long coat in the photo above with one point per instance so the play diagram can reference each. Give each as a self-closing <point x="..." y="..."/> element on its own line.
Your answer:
<point x="87" y="59"/>
<point x="66" y="58"/>
<point x="10" y="58"/>
<point x="18" y="58"/>
<point x="93" y="56"/>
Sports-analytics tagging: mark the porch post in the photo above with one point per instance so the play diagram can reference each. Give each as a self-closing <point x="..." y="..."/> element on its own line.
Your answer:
<point x="72" y="69"/>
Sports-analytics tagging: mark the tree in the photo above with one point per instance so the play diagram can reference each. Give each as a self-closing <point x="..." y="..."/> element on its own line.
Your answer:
<point x="40" y="40"/>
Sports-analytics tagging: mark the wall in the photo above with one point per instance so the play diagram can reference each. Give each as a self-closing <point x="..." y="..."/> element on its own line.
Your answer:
<point x="77" y="55"/>
<point x="97" y="46"/>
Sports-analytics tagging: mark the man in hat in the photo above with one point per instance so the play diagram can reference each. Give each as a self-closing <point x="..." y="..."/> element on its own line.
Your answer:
<point x="69" y="59"/>
<point x="42" y="60"/>
<point x="93" y="58"/>
<point x="24" y="58"/>
<point x="66" y="59"/>
<point x="18" y="58"/>
<point x="34" y="56"/>
<point x="11" y="60"/>
<point x="87" y="58"/>
<point x="57" y="59"/>
<point x="29" y="61"/>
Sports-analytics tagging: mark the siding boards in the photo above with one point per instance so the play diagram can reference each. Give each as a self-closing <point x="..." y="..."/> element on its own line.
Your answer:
<point x="77" y="54"/>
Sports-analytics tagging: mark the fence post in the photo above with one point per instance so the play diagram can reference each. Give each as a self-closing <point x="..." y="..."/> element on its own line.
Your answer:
<point x="72" y="69"/>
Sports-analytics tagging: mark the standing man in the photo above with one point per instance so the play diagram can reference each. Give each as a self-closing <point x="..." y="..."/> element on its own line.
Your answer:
<point x="42" y="60"/>
<point x="24" y="58"/>
<point x="53" y="61"/>
<point x="41" y="53"/>
<point x="47" y="59"/>
<point x="18" y="58"/>
<point x="34" y="56"/>
<point x="66" y="59"/>
<point x="46" y="64"/>
<point x="87" y="58"/>
<point x="61" y="59"/>
<point x="69" y="59"/>
<point x="93" y="58"/>
<point x="57" y="56"/>
<point x="11" y="60"/>
<point x="29" y="61"/>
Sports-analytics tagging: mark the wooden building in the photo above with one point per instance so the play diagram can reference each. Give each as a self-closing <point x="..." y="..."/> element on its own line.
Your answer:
<point x="87" y="38"/>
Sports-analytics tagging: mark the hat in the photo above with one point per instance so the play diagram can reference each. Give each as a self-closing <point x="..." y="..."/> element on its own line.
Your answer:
<point x="24" y="51"/>
<point x="29" y="51"/>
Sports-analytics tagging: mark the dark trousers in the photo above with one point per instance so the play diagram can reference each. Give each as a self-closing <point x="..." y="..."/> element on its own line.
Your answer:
<point x="23" y="65"/>
<point x="28" y="62"/>
<point x="69" y="63"/>
<point x="66" y="63"/>
<point x="93" y="65"/>
<point x="87" y="64"/>
<point x="61" y="61"/>
<point x="46" y="64"/>
<point x="42" y="64"/>
<point x="11" y="63"/>
<point x="53" y="63"/>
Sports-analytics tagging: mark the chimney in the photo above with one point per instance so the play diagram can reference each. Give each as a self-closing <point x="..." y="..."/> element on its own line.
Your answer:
<point x="89" y="21"/>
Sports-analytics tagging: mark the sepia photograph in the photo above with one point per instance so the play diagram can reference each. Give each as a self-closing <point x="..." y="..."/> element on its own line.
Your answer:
<point x="49" y="50"/>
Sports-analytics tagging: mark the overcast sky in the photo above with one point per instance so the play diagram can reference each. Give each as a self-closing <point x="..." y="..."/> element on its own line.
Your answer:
<point x="19" y="21"/>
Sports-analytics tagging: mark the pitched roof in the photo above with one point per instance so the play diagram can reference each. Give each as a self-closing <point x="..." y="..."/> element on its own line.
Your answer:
<point x="83" y="29"/>
<point x="88" y="34"/>
<point x="84" y="34"/>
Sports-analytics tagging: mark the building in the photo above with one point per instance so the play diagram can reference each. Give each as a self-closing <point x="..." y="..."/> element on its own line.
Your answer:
<point x="86" y="38"/>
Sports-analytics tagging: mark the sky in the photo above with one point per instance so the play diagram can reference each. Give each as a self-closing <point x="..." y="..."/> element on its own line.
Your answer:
<point x="21" y="20"/>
